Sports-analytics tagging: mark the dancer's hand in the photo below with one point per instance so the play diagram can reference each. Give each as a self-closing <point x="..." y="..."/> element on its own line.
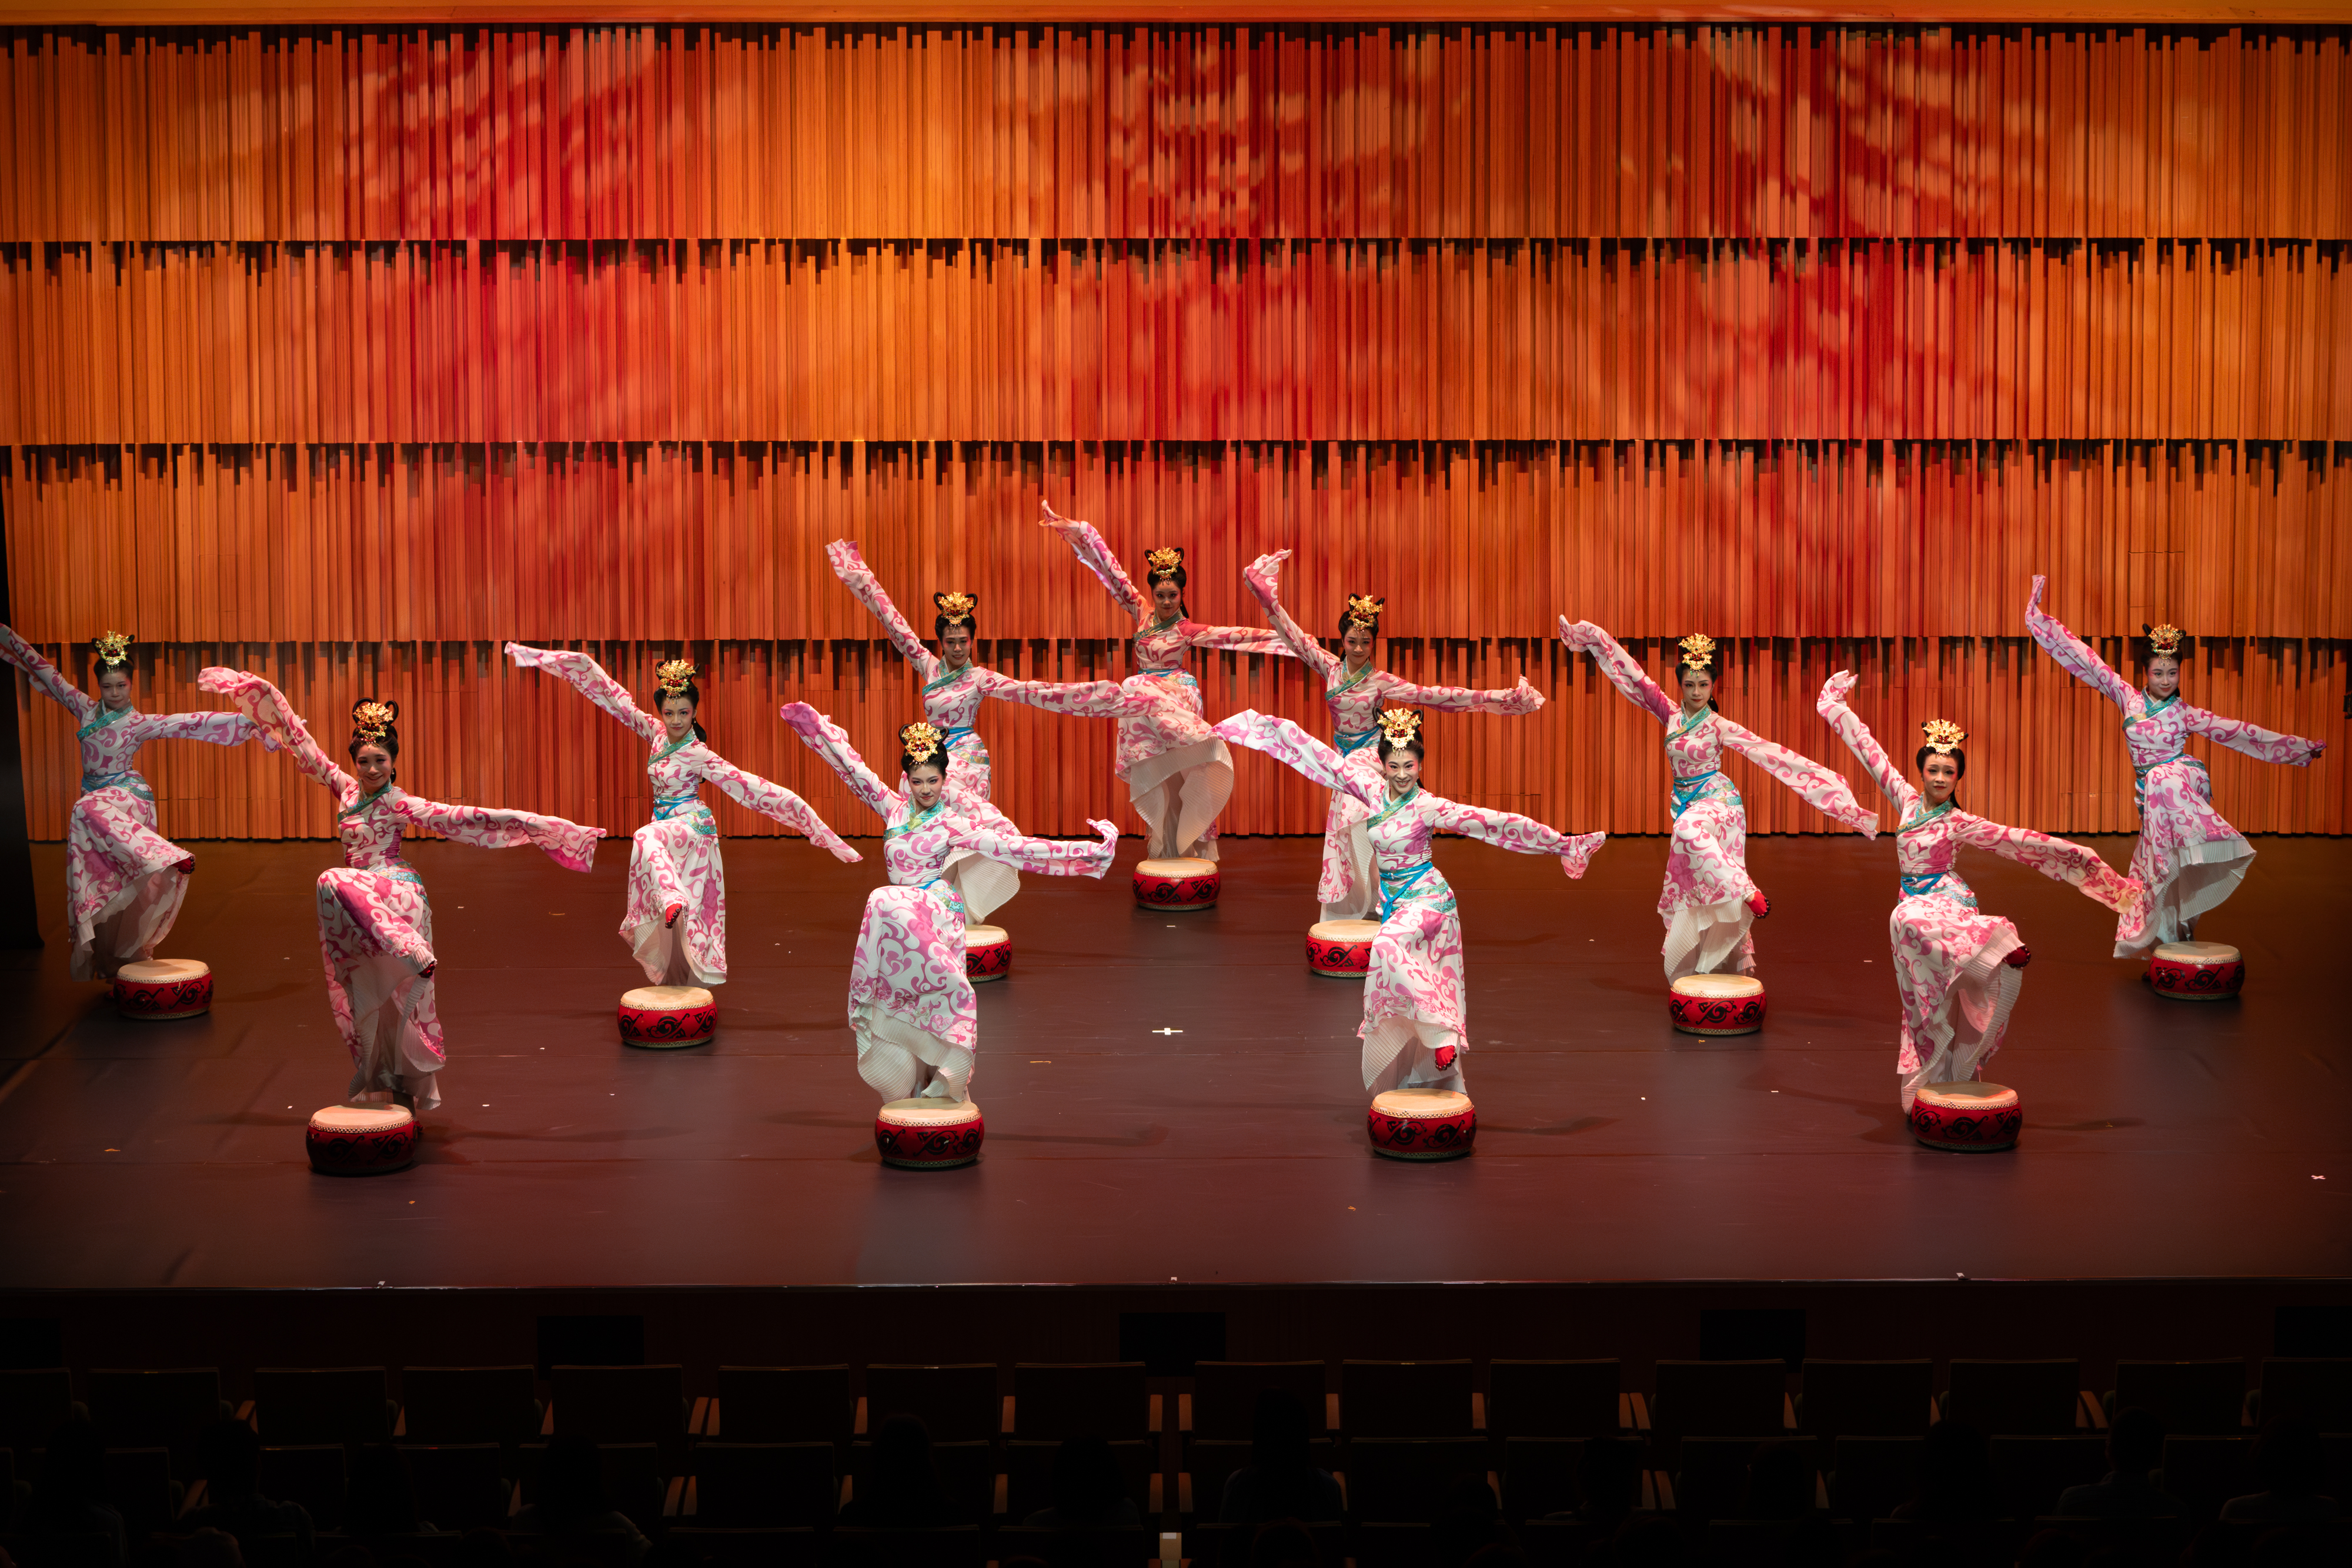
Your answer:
<point x="2035" y="603"/>
<point x="1109" y="830"/>
<point x="1051" y="519"/>
<point x="1264" y="572"/>
<point x="803" y="719"/>
<point x="843" y="557"/>
<point x="1580" y="635"/>
<point x="1523" y="698"/>
<point x="1835" y="689"/>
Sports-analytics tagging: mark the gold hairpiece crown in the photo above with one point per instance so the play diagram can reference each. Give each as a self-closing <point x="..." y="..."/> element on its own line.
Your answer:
<point x="1943" y="735"/>
<point x="2165" y="639"/>
<point x="920" y="741"/>
<point x="672" y="675"/>
<point x="1399" y="724"/>
<point x="1364" y="609"/>
<point x="112" y="648"/>
<point x="1698" y="651"/>
<point x="1167" y="558"/>
<point x="955" y="608"/>
<point x="370" y="720"/>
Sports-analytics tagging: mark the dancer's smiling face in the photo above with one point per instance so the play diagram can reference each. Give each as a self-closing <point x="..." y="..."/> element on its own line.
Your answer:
<point x="955" y="642"/>
<point x="1166" y="598"/>
<point x="372" y="763"/>
<point x="677" y="715"/>
<point x="114" y="687"/>
<point x="1698" y="686"/>
<point x="926" y="781"/>
<point x="1402" y="767"/>
<point x="2163" y="675"/>
<point x="1357" y="646"/>
<point x="1941" y="775"/>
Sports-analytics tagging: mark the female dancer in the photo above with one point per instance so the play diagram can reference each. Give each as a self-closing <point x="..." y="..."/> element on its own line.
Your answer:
<point x="1413" y="1031"/>
<point x="675" y="922"/>
<point x="124" y="881"/>
<point x="1709" y="902"/>
<point x="375" y="928"/>
<point x="1179" y="774"/>
<point x="910" y="1002"/>
<point x="1956" y="969"/>
<point x="954" y="685"/>
<point x="1355" y="691"/>
<point x="2188" y="859"/>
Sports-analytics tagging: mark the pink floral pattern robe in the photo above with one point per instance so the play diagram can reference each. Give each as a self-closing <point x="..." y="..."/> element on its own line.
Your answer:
<point x="1178" y="773"/>
<point x="375" y="927"/>
<point x="1951" y="972"/>
<point x="1414" y="1005"/>
<point x="674" y="860"/>
<point x="911" y="1003"/>
<point x="2188" y="858"/>
<point x="124" y="881"/>
<point x="1705" y="902"/>
<point x="1348" y="889"/>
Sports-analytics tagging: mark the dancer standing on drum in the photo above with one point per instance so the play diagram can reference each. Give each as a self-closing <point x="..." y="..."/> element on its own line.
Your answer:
<point x="675" y="922"/>
<point x="2188" y="858"/>
<point x="1355" y="690"/>
<point x="1709" y="901"/>
<point x="953" y="686"/>
<point x="124" y="881"/>
<point x="910" y="1002"/>
<point x="1178" y="773"/>
<point x="375" y="928"/>
<point x="1414" y="1030"/>
<point x="1956" y="968"/>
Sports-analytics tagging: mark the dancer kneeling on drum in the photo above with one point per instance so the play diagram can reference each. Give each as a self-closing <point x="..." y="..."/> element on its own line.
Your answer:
<point x="1413" y="1031"/>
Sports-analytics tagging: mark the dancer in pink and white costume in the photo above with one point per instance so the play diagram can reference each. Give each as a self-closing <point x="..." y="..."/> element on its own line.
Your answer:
<point x="1355" y="690"/>
<point x="124" y="881"/>
<point x="675" y="922"/>
<point x="910" y="1002"/>
<point x="1179" y="774"/>
<point x="1956" y="968"/>
<point x="1709" y="902"/>
<point x="2188" y="858"/>
<point x="954" y="687"/>
<point x="1413" y="1030"/>
<point x="375" y="928"/>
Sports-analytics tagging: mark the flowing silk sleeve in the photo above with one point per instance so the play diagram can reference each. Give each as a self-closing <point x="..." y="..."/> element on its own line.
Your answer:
<point x="1286" y="742"/>
<point x="2057" y="859"/>
<point x="44" y="676"/>
<point x="275" y="717"/>
<point x="1048" y="857"/>
<point x="850" y="567"/>
<point x="1518" y="699"/>
<point x="1078" y="699"/>
<point x="1624" y="672"/>
<point x="1090" y="549"/>
<point x="1326" y="664"/>
<point x="1238" y="639"/>
<point x="1818" y="787"/>
<point x="212" y="728"/>
<point x="588" y="679"/>
<point x="2262" y="745"/>
<point x="772" y="800"/>
<point x="1849" y="727"/>
<point x="829" y="741"/>
<point x="567" y="843"/>
<point x="1509" y="830"/>
<point x="2073" y="656"/>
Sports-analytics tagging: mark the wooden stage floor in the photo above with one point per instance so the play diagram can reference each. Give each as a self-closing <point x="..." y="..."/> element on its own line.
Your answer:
<point x="2163" y="1140"/>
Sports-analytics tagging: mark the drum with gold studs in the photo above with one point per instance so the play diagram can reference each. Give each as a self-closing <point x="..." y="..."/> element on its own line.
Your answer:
<point x="1422" y="1124"/>
<point x="361" y="1140"/>
<point x="1716" y="1004"/>
<point x="928" y="1134"/>
<point x="1341" y="948"/>
<point x="1180" y="883"/>
<point x="987" y="953"/>
<point x="2196" y="971"/>
<point x="164" y="988"/>
<point x="665" y="1017"/>
<point x="1966" y="1118"/>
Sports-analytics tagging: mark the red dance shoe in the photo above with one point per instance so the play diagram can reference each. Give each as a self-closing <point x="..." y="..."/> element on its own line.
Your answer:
<point x="1757" y="904"/>
<point x="670" y="915"/>
<point x="2019" y="957"/>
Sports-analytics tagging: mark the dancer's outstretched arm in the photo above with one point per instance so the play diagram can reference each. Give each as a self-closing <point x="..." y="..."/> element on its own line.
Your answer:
<point x="212" y="728"/>
<point x="44" y="676"/>
<point x="1262" y="578"/>
<point x="772" y="800"/>
<point x="1520" y="835"/>
<point x="2262" y="745"/>
<point x="829" y="741"/>
<point x="1848" y="724"/>
<point x="279" y="725"/>
<point x="1095" y="555"/>
<point x="1818" y="787"/>
<point x="589" y="679"/>
<point x="2060" y="860"/>
<point x="1049" y="857"/>
<point x="2074" y="655"/>
<point x="568" y="843"/>
<point x="1286" y="742"/>
<point x="850" y="567"/>
<point x="1624" y="671"/>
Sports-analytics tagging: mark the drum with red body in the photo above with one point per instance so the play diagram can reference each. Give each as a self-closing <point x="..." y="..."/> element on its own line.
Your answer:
<point x="1182" y="884"/>
<point x="361" y="1140"/>
<point x="1966" y="1118"/>
<point x="987" y="953"/>
<point x="1341" y="948"/>
<point x="164" y="988"/>
<point x="1716" y="1004"/>
<point x="928" y="1134"/>
<point x="665" y="1017"/>
<point x="2196" y="971"/>
<point x="1422" y="1124"/>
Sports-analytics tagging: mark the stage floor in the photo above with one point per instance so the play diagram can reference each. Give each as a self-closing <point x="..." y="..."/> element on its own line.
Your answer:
<point x="1175" y="1098"/>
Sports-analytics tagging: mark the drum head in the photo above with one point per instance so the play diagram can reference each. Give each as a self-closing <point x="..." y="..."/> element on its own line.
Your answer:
<point x="1717" y="986"/>
<point x="667" y="999"/>
<point x="361" y="1118"/>
<point x="1968" y="1096"/>
<point x="2181" y="953"/>
<point x="929" y="1112"/>
<point x="1344" y="930"/>
<point x="1177" y="869"/>
<point x="1413" y="1103"/>
<point x="163" y="971"/>
<point x="984" y="936"/>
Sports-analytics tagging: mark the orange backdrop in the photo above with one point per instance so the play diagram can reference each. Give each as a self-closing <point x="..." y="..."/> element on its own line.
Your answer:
<point x="345" y="354"/>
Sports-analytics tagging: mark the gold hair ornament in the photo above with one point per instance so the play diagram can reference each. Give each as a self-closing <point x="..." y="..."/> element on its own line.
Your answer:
<point x="1364" y="609"/>
<point x="1943" y="735"/>
<point x="920" y="741"/>
<point x="672" y="675"/>
<point x="1399" y="724"/>
<point x="1698" y="651"/>
<point x="113" y="648"/>
<point x="955" y="608"/>
<point x="1167" y="558"/>
<point x="372" y="720"/>
<point x="2165" y="640"/>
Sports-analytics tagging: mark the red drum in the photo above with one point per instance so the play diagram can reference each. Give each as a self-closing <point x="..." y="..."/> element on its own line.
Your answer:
<point x="2196" y="971"/>
<point x="1970" y="1118"/>
<point x="1183" y="883"/>
<point x="361" y="1140"/>
<point x="666" y="1017"/>
<point x="1341" y="948"/>
<point x="987" y="953"/>
<point x="164" y="988"/>
<point x="928" y="1134"/>
<point x="1422" y="1124"/>
<point x="1716" y="1004"/>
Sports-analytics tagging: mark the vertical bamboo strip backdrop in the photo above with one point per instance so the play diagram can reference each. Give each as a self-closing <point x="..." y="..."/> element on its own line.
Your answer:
<point x="345" y="355"/>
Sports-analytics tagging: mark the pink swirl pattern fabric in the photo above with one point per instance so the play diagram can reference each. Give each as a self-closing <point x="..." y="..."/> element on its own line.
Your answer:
<point x="1179" y="774"/>
<point x="1950" y="974"/>
<point x="674" y="860"/>
<point x="1414" y="1005"/>
<point x="1348" y="889"/>
<point x="1704" y="903"/>
<point x="376" y="926"/>
<point x="911" y="1005"/>
<point x="124" y="881"/>
<point x="2189" y="857"/>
